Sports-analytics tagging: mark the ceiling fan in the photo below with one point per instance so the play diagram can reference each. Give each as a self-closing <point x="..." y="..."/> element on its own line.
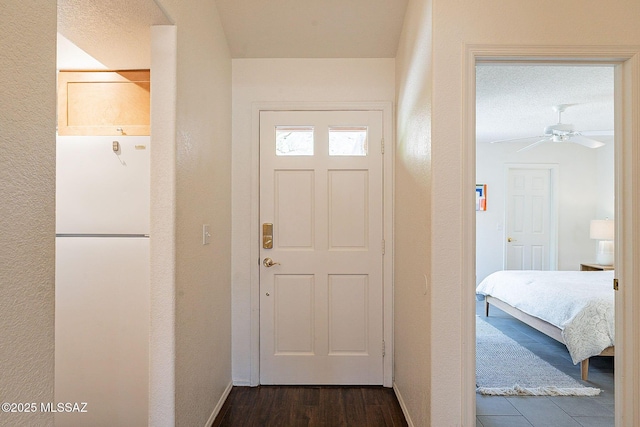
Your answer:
<point x="562" y="132"/>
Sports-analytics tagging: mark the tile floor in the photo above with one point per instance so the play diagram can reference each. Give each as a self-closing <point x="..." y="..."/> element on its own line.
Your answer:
<point x="498" y="411"/>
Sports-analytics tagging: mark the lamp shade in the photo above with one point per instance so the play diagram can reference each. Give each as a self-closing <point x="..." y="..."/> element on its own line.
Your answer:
<point x="601" y="229"/>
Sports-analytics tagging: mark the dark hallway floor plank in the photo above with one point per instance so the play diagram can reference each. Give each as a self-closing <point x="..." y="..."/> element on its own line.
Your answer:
<point x="313" y="406"/>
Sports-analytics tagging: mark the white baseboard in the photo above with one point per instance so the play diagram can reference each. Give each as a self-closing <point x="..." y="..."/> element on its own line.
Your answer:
<point x="242" y="383"/>
<point x="402" y="405"/>
<point x="216" y="410"/>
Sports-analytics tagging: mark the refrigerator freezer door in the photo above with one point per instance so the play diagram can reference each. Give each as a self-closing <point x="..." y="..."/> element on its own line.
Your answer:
<point x="102" y="330"/>
<point x="101" y="189"/>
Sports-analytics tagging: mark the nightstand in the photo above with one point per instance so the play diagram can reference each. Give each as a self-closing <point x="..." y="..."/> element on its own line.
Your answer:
<point x="595" y="267"/>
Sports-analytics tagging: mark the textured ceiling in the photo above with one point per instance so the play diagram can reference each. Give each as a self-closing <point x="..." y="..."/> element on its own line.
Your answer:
<point x="312" y="29"/>
<point x="114" y="32"/>
<point x="516" y="101"/>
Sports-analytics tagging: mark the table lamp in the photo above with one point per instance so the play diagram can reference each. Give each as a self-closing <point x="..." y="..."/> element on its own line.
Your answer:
<point x="603" y="231"/>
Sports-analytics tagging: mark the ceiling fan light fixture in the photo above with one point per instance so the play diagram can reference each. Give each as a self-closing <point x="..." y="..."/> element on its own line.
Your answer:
<point x="558" y="129"/>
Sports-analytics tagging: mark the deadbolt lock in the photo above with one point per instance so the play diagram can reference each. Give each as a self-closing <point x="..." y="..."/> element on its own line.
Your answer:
<point x="267" y="235"/>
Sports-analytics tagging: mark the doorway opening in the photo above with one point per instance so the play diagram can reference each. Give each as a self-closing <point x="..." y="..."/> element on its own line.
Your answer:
<point x="98" y="309"/>
<point x="519" y="131"/>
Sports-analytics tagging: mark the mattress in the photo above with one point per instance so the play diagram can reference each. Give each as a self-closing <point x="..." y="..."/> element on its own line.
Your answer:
<point x="579" y="303"/>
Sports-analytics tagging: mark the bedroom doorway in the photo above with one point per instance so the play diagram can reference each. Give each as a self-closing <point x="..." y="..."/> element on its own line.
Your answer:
<point x="514" y="106"/>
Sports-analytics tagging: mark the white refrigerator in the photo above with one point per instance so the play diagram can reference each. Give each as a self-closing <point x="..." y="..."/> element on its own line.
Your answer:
<point x="102" y="280"/>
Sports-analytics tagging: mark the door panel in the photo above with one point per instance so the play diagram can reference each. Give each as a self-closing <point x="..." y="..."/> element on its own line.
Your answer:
<point x="348" y="320"/>
<point x="321" y="302"/>
<point x="294" y="208"/>
<point x="294" y="297"/>
<point x="348" y="209"/>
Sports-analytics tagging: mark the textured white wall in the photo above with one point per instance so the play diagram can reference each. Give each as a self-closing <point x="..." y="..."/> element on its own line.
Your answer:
<point x="162" y="344"/>
<point x="605" y="187"/>
<point x="27" y="209"/>
<point x="413" y="208"/>
<point x="579" y="199"/>
<point x="454" y="24"/>
<point x="282" y="80"/>
<point x="202" y="196"/>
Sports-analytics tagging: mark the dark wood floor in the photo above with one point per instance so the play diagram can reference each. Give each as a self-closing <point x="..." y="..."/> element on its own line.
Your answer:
<point x="326" y="406"/>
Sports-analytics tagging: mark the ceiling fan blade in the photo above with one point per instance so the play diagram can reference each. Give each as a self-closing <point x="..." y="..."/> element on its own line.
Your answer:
<point x="535" y="144"/>
<point x="587" y="142"/>
<point x="517" y="139"/>
<point x="595" y="133"/>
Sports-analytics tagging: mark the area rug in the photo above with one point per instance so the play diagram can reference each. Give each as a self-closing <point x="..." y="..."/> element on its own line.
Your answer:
<point x="505" y="368"/>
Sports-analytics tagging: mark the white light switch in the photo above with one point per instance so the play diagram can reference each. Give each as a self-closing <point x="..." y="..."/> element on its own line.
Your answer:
<point x="206" y="235"/>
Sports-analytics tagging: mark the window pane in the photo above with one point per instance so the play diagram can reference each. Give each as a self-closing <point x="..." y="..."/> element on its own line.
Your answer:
<point x="294" y="140"/>
<point x="348" y="141"/>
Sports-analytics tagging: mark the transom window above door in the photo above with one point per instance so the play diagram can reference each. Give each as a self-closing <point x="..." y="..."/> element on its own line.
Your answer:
<point x="342" y="140"/>
<point x="294" y="141"/>
<point x="348" y="141"/>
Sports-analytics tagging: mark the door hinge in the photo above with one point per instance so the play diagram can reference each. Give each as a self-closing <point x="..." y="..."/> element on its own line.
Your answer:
<point x="384" y="247"/>
<point x="382" y="145"/>
<point x="383" y="349"/>
<point x="615" y="284"/>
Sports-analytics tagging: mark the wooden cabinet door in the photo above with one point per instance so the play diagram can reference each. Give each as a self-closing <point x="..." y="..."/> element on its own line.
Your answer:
<point x="103" y="102"/>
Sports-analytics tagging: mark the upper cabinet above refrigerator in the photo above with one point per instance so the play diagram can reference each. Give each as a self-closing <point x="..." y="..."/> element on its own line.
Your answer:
<point x="104" y="103"/>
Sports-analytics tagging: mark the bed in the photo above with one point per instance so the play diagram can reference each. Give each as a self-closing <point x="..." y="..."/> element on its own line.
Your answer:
<point x="573" y="307"/>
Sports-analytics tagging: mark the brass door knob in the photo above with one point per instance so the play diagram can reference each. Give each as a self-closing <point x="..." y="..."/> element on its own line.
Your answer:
<point x="509" y="239"/>
<point x="268" y="262"/>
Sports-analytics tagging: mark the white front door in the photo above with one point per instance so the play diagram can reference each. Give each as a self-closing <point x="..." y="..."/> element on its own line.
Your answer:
<point x="529" y="219"/>
<point x="321" y="305"/>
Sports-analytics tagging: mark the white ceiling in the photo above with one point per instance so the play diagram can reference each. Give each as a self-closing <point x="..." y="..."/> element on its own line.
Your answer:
<point x="516" y="100"/>
<point x="116" y="32"/>
<point x="312" y="29"/>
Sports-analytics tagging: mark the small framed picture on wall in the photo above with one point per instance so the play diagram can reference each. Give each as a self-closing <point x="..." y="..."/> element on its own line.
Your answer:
<point x="481" y="197"/>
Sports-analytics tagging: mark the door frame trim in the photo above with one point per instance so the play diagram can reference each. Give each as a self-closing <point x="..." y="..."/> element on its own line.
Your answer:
<point x="626" y="61"/>
<point x="553" y="209"/>
<point x="388" y="187"/>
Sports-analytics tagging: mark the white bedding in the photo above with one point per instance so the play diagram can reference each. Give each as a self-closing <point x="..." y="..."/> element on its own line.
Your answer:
<point x="580" y="303"/>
